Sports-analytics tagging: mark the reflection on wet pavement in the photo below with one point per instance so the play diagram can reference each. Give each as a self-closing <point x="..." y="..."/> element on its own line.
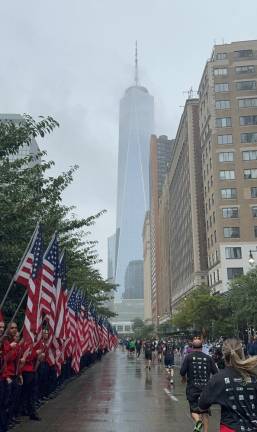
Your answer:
<point x="118" y="395"/>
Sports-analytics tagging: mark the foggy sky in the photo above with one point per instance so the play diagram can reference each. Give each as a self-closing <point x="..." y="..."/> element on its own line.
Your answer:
<point x="74" y="59"/>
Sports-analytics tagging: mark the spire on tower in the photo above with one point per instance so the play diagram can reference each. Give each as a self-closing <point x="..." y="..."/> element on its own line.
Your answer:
<point x="136" y="65"/>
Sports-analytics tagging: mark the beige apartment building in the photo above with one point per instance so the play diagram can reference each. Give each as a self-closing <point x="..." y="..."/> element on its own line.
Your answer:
<point x="160" y="155"/>
<point x="147" y="270"/>
<point x="228" y="128"/>
<point x="182" y="211"/>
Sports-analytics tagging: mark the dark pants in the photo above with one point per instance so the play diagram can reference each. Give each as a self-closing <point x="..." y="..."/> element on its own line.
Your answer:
<point x="29" y="392"/>
<point x="3" y="414"/>
<point x="44" y="380"/>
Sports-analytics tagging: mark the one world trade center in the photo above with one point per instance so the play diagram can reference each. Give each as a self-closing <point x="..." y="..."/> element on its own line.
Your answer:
<point x="136" y="124"/>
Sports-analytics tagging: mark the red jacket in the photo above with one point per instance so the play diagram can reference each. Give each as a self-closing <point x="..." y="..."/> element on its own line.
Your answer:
<point x="11" y="356"/>
<point x="29" y="352"/>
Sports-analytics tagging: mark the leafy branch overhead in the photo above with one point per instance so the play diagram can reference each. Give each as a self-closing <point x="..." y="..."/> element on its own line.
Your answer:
<point x="30" y="193"/>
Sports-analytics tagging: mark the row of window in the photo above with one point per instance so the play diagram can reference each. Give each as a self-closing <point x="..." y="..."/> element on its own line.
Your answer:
<point x="238" y="69"/>
<point x="247" y="155"/>
<point x="229" y="232"/>
<point x="237" y="54"/>
<point x="231" y="212"/>
<point x="240" y="86"/>
<point x="230" y="174"/>
<point x="249" y="120"/>
<point x="231" y="193"/>
<point x="242" y="103"/>
<point x="246" y="137"/>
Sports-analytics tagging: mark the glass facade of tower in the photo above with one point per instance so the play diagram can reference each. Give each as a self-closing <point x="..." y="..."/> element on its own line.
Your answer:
<point x="135" y="128"/>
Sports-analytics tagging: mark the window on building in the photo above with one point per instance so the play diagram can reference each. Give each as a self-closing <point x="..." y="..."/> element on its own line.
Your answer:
<point x="254" y="211"/>
<point x="233" y="252"/>
<point x="225" y="139"/>
<point x="211" y="239"/>
<point x="127" y="328"/>
<point x="245" y="69"/>
<point x="210" y="221"/>
<point x="119" y="328"/>
<point x="221" y="56"/>
<point x="248" y="137"/>
<point x="244" y="53"/>
<point x="254" y="192"/>
<point x="250" y="155"/>
<point x="230" y="212"/>
<point x="247" y="103"/>
<point x="220" y="72"/>
<point x="208" y="242"/>
<point x="233" y="272"/>
<point x="255" y="231"/>
<point x="218" y="275"/>
<point x="250" y="173"/>
<point x="210" y="163"/>
<point x="227" y="175"/>
<point x="211" y="181"/>
<point x="228" y="193"/>
<point x="223" y="122"/>
<point x="231" y="232"/>
<point x="210" y="280"/>
<point x="213" y="217"/>
<point x="217" y="255"/>
<point x="222" y="87"/>
<point x="215" y="236"/>
<point x="248" y="120"/>
<point x="207" y="225"/>
<point x="209" y="204"/>
<point x="246" y="85"/>
<point x="222" y="104"/>
<point x="212" y="198"/>
<point x="226" y="157"/>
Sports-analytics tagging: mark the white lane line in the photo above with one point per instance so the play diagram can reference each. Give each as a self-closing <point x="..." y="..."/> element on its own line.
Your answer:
<point x="171" y="396"/>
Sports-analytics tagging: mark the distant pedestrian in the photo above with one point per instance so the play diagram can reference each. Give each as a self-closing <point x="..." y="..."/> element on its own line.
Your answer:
<point x="148" y="354"/>
<point x="234" y="389"/>
<point x="138" y="347"/>
<point x="169" y="359"/>
<point x="197" y="368"/>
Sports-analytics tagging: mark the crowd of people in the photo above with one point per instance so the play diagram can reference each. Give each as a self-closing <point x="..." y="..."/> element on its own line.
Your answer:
<point x="27" y="376"/>
<point x="222" y="373"/>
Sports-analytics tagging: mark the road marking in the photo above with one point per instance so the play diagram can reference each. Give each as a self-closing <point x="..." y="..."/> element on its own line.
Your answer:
<point x="171" y="396"/>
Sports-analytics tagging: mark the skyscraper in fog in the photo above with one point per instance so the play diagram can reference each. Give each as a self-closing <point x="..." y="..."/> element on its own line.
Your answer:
<point x="136" y="124"/>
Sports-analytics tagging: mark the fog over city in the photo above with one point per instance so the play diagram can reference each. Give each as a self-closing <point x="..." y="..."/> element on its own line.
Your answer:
<point x="74" y="59"/>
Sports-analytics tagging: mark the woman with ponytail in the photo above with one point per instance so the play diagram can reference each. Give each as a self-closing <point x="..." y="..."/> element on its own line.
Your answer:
<point x="234" y="389"/>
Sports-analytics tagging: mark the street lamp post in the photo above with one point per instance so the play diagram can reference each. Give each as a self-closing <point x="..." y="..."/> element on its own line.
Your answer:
<point x="251" y="258"/>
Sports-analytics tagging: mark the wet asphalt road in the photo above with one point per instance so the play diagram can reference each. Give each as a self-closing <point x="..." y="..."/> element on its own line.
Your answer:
<point x="118" y="395"/>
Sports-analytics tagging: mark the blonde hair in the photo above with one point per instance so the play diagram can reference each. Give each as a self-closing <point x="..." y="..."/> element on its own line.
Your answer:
<point x="234" y="356"/>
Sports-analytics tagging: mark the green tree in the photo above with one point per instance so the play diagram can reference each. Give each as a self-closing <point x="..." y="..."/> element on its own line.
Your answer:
<point x="142" y="331"/>
<point x="242" y="297"/>
<point x="203" y="312"/>
<point x="30" y="193"/>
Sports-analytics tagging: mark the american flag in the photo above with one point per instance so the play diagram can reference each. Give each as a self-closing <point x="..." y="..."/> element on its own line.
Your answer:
<point x="48" y="284"/>
<point x="94" y="326"/>
<point x="87" y="343"/>
<point x="60" y="315"/>
<point x="61" y="288"/>
<point x="29" y="275"/>
<point x="76" y="328"/>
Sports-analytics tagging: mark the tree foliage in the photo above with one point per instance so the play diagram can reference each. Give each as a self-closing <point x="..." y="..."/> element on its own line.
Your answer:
<point x="30" y="193"/>
<point x="242" y="298"/>
<point x="141" y="330"/>
<point x="203" y="313"/>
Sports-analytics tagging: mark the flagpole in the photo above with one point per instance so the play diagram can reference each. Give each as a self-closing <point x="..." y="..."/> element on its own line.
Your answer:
<point x="14" y="315"/>
<point x="72" y="289"/>
<point x="19" y="266"/>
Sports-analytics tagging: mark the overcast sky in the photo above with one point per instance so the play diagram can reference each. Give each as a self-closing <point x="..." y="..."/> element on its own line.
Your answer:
<point x="73" y="59"/>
